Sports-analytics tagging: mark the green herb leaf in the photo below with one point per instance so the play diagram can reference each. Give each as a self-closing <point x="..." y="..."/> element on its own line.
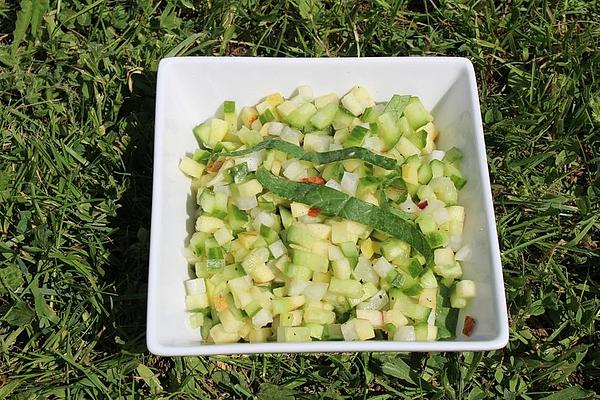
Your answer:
<point x="319" y="158"/>
<point x="337" y="204"/>
<point x="446" y="317"/>
<point x="396" y="105"/>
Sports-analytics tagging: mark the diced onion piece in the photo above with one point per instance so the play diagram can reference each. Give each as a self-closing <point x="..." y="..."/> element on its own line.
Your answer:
<point x="455" y="242"/>
<point x="334" y="185"/>
<point x="262" y="318"/>
<point x="383" y="267"/>
<point x="296" y="286"/>
<point x="195" y="286"/>
<point x="252" y="160"/>
<point x="222" y="189"/>
<point x="264" y="218"/>
<point x="189" y="255"/>
<point x="246" y="203"/>
<point x="364" y="271"/>
<point x="223" y="171"/>
<point x="305" y="92"/>
<point x="409" y="206"/>
<point x="348" y="331"/>
<point x="373" y="143"/>
<point x="437" y="155"/>
<point x="335" y="146"/>
<point x="334" y="252"/>
<point x="463" y="254"/>
<point x="322" y="101"/>
<point x="315" y="291"/>
<point x="350" y="183"/>
<point x="277" y="249"/>
<point x="431" y="319"/>
<point x="441" y="216"/>
<point x="316" y="142"/>
<point x="291" y="135"/>
<point x="275" y="128"/>
<point x="295" y="171"/>
<point x="405" y="333"/>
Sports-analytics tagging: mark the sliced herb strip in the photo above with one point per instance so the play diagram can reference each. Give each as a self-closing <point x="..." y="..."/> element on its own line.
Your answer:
<point x="319" y="158"/>
<point x="338" y="204"/>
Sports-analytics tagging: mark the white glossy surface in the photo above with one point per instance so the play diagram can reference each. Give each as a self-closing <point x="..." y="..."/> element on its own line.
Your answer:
<point x="191" y="89"/>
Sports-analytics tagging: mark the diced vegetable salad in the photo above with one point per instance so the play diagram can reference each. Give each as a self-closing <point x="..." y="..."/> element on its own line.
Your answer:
<point x="322" y="218"/>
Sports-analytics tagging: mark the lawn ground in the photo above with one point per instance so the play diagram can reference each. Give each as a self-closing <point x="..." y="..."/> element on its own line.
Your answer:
<point x="77" y="83"/>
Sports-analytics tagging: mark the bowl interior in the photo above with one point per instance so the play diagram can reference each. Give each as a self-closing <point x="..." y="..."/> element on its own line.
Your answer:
<point x="190" y="90"/>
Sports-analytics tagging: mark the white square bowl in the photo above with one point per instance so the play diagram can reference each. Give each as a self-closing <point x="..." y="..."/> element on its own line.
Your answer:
<point x="191" y="89"/>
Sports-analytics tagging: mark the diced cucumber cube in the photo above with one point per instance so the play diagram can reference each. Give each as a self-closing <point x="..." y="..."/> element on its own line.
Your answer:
<point x="395" y="317"/>
<point x="317" y="142"/>
<point x="219" y="335"/>
<point x="325" y="116"/>
<point x="405" y="334"/>
<point x="249" y="188"/>
<point x="448" y="271"/>
<point x="333" y="332"/>
<point x="316" y="330"/>
<point x="262" y="273"/>
<point x="223" y="236"/>
<point x="197" y="242"/>
<point x="437" y="239"/>
<point x="348" y="287"/>
<point x="291" y="318"/>
<point x="453" y="155"/>
<point x="342" y="120"/>
<point x="465" y="289"/>
<point x="416" y="113"/>
<point x="248" y="115"/>
<point x="196" y="319"/>
<point x="393" y="249"/>
<point x="418" y="138"/>
<point x="197" y="301"/>
<point x="323" y="277"/>
<point x="425" y="332"/>
<point x="456" y="301"/>
<point x="407" y="305"/>
<point x="300" y="235"/>
<point x="310" y="260"/>
<point x="293" y="334"/>
<point x="341" y="268"/>
<point x="444" y="189"/>
<point x="195" y="286"/>
<point x="437" y="168"/>
<point x="302" y="115"/>
<point x="190" y="167"/>
<point x="424" y="174"/>
<point x="202" y="134"/>
<point x="252" y="308"/>
<point x="428" y="297"/>
<point x="259" y="335"/>
<point x="396" y="104"/>
<point x="443" y="257"/>
<point x="382" y="267"/>
<point x="230" y="322"/>
<point x="315" y="291"/>
<point x="426" y="223"/>
<point x="406" y="147"/>
<point x="299" y="272"/>
<point x="376" y="302"/>
<point x="208" y="224"/>
<point x="317" y="315"/>
<point x="333" y="171"/>
<point x="266" y="116"/>
<point x="356" y="137"/>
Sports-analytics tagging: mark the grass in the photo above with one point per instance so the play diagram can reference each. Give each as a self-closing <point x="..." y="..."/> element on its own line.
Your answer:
<point x="77" y="81"/>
